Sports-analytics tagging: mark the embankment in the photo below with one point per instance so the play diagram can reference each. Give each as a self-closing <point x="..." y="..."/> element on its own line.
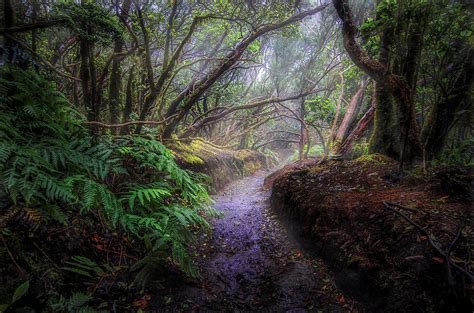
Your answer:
<point x="378" y="256"/>
<point x="222" y="165"/>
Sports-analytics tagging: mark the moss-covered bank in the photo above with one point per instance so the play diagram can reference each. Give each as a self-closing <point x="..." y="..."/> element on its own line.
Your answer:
<point x="222" y="165"/>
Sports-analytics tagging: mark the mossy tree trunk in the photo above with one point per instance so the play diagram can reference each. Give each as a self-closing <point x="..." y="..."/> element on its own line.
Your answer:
<point x="128" y="102"/>
<point x="303" y="133"/>
<point x="385" y="137"/>
<point x="89" y="81"/>
<point x="116" y="72"/>
<point x="411" y="140"/>
<point x="397" y="85"/>
<point x="8" y="17"/>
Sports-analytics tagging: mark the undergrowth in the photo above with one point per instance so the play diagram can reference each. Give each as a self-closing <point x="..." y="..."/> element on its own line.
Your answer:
<point x="52" y="166"/>
<point x="314" y="151"/>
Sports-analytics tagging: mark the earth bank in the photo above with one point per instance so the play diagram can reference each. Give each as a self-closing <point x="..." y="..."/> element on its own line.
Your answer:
<point x="378" y="257"/>
<point x="221" y="164"/>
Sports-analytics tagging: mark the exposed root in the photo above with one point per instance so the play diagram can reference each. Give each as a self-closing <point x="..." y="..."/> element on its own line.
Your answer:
<point x="444" y="254"/>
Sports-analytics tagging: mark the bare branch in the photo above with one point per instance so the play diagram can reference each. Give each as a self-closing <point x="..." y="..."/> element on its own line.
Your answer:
<point x="40" y="58"/>
<point x="32" y="26"/>
<point x="155" y="123"/>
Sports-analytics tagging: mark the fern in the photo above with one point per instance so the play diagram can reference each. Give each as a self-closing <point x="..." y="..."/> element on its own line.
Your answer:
<point x="145" y="194"/>
<point x="76" y="303"/>
<point x="83" y="266"/>
<point x="50" y="162"/>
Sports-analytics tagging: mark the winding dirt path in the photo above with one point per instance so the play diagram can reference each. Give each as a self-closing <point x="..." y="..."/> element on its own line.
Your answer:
<point x="251" y="263"/>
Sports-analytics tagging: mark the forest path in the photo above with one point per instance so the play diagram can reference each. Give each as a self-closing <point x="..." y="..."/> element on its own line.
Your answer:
<point x="251" y="263"/>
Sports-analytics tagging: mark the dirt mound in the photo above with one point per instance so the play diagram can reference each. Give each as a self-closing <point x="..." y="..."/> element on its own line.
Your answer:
<point x="221" y="164"/>
<point x="379" y="257"/>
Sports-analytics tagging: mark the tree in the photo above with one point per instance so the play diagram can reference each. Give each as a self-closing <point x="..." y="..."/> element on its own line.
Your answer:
<point x="188" y="97"/>
<point x="116" y="72"/>
<point x="396" y="84"/>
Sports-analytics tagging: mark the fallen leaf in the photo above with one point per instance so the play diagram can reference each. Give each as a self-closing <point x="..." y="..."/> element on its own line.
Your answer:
<point x="438" y="259"/>
<point x="143" y="302"/>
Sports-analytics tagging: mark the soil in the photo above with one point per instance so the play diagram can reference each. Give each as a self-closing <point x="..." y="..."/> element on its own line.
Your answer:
<point x="252" y="263"/>
<point x="378" y="257"/>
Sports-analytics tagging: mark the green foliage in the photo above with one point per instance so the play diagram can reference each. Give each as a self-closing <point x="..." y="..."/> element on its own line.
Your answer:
<point x="50" y="162"/>
<point x="83" y="266"/>
<point x="320" y="109"/>
<point x="90" y="21"/>
<point x="76" y="303"/>
<point x="20" y="291"/>
<point x="456" y="154"/>
<point x="360" y="149"/>
<point x="384" y="18"/>
<point x="315" y="150"/>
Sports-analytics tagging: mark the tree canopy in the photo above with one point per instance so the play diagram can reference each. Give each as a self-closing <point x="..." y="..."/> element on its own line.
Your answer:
<point x="95" y="95"/>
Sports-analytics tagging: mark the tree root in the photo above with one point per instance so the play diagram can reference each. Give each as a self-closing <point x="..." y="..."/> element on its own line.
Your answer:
<point x="445" y="254"/>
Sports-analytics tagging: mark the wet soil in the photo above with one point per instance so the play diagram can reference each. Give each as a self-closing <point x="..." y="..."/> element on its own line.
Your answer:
<point x="251" y="263"/>
<point x="377" y="256"/>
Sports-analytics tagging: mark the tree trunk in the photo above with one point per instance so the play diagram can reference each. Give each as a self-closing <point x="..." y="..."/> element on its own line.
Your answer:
<point x="128" y="103"/>
<point x="338" y="110"/>
<point x="361" y="127"/>
<point x="358" y="131"/>
<point x="303" y="132"/>
<point x="116" y="72"/>
<point x="411" y="146"/>
<point x="385" y="138"/>
<point x="397" y="85"/>
<point x="8" y="22"/>
<point x="352" y="111"/>
<point x="34" y="32"/>
<point x="85" y="79"/>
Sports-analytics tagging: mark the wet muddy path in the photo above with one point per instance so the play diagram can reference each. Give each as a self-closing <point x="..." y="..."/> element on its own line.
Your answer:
<point x="251" y="263"/>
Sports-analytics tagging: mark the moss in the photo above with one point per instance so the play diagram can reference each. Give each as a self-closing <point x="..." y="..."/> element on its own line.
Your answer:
<point x="191" y="158"/>
<point x="187" y="152"/>
<point x="245" y="154"/>
<point x="376" y="158"/>
<point x="315" y="170"/>
<point x="417" y="172"/>
<point x="384" y="138"/>
<point x="195" y="151"/>
<point x="221" y="164"/>
<point x="251" y="167"/>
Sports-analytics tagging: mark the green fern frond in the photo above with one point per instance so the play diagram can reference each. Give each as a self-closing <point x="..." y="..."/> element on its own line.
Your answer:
<point x="47" y="158"/>
<point x="145" y="195"/>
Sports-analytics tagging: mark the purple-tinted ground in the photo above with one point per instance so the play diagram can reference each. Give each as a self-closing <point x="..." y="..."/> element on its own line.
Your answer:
<point x="250" y="263"/>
